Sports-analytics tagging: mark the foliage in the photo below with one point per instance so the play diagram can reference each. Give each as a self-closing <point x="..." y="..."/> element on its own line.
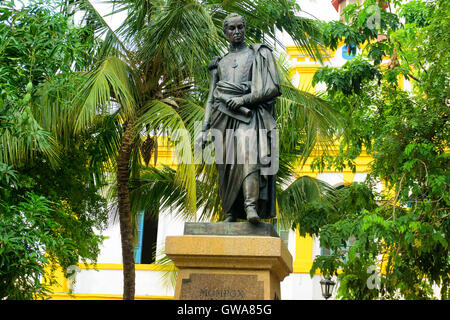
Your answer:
<point x="349" y="79"/>
<point x="400" y="238"/>
<point x="72" y="183"/>
<point x="50" y="177"/>
<point x="37" y="236"/>
<point x="37" y="43"/>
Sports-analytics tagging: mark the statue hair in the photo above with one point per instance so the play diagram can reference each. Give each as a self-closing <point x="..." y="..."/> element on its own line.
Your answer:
<point x="232" y="15"/>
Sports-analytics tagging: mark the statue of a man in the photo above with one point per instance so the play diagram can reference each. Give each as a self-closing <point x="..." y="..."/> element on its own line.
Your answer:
<point x="240" y="108"/>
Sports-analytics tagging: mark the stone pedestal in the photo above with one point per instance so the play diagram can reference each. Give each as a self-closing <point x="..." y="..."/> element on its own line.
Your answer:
<point x="229" y="261"/>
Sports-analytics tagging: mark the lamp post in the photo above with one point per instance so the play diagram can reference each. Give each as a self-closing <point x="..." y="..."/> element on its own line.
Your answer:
<point x="327" y="286"/>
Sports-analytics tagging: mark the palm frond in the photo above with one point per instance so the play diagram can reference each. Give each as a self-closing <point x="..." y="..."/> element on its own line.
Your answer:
<point x="163" y="117"/>
<point x="307" y="36"/>
<point x="108" y="131"/>
<point x="191" y="112"/>
<point x="112" y="43"/>
<point x="53" y="110"/>
<point x="158" y="188"/>
<point x="306" y="121"/>
<point x="183" y="33"/>
<point x="300" y="192"/>
<point x="170" y="273"/>
<point x="209" y="202"/>
<point x="139" y="14"/>
<point x="109" y="84"/>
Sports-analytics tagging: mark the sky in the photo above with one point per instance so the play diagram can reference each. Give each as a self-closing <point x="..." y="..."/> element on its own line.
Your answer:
<point x="320" y="9"/>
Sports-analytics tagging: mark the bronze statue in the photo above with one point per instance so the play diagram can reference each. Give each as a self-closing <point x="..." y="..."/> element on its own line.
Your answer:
<point x="243" y="90"/>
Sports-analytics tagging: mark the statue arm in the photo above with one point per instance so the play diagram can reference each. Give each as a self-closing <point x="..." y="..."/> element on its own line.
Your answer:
<point x="214" y="78"/>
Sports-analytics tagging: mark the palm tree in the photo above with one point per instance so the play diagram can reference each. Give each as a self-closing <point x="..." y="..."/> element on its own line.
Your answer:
<point x="152" y="74"/>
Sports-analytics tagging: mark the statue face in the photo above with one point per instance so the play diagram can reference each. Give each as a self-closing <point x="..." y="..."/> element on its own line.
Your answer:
<point x="235" y="30"/>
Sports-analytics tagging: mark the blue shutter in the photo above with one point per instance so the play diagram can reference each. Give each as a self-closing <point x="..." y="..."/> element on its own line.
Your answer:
<point x="140" y="233"/>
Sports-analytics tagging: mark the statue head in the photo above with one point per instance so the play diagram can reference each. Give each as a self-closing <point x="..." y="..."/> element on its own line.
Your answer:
<point x="234" y="28"/>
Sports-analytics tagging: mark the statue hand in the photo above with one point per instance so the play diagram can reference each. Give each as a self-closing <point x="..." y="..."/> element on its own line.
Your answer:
<point x="235" y="103"/>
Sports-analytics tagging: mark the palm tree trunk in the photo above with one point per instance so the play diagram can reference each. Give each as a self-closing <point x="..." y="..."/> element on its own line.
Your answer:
<point x="126" y="232"/>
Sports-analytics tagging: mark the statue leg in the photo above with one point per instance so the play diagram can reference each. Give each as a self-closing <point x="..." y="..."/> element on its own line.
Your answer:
<point x="250" y="188"/>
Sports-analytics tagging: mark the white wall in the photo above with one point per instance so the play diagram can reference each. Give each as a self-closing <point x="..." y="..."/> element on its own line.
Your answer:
<point x="148" y="283"/>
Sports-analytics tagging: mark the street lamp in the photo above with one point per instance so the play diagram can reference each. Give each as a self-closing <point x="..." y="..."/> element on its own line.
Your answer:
<point x="327" y="286"/>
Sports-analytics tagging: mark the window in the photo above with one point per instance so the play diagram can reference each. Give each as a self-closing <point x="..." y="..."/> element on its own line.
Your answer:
<point x="147" y="231"/>
<point x="343" y="249"/>
<point x="282" y="232"/>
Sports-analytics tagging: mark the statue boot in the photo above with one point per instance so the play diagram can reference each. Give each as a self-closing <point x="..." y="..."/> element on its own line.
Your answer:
<point x="229" y="217"/>
<point x="250" y="188"/>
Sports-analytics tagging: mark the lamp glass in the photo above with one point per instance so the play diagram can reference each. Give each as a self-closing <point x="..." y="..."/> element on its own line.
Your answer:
<point x="327" y="285"/>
